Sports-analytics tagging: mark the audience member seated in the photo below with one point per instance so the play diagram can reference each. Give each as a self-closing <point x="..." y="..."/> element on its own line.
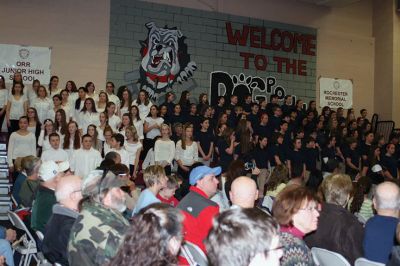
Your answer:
<point x="166" y="194"/>
<point x="68" y="194"/>
<point x="380" y="230"/>
<point x="243" y="237"/>
<point x="338" y="230"/>
<point x="155" y="179"/>
<point x="154" y="237"/>
<point x="131" y="193"/>
<point x="197" y="207"/>
<point x="30" y="185"/>
<point x="395" y="256"/>
<point x="100" y="228"/>
<point x="45" y="198"/>
<point x="361" y="204"/>
<point x="30" y="166"/>
<point x="277" y="181"/>
<point x="243" y="192"/>
<point x="55" y="153"/>
<point x="297" y="210"/>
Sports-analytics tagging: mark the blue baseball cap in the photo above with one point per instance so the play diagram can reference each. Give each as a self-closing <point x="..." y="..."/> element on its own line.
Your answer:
<point x="201" y="171"/>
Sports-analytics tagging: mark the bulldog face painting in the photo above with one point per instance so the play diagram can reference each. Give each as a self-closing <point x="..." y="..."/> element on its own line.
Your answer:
<point x="164" y="60"/>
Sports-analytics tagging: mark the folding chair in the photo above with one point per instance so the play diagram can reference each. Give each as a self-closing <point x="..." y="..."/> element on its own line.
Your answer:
<point x="365" y="262"/>
<point x="28" y="248"/>
<point x="193" y="254"/>
<point x="323" y="257"/>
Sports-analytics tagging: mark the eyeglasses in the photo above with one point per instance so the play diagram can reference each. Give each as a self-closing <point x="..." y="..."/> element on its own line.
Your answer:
<point x="278" y="248"/>
<point x="311" y="208"/>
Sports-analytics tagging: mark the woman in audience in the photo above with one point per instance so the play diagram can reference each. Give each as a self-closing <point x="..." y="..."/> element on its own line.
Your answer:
<point x="17" y="106"/>
<point x="143" y="103"/>
<point x="92" y="131"/>
<point x="372" y="167"/>
<point x="164" y="149"/>
<point x="42" y="104"/>
<point x="48" y="128"/>
<point x="102" y="102"/>
<point x="113" y="120"/>
<point x="296" y="209"/>
<point x="3" y="99"/>
<point x="277" y="181"/>
<point x="91" y="91"/>
<point x="137" y="122"/>
<point x="154" y="238"/>
<point x="88" y="115"/>
<point x="134" y="148"/>
<point x="53" y="86"/>
<point x="21" y="143"/>
<point x="126" y="102"/>
<point x="72" y="139"/>
<point x="186" y="153"/>
<point x="34" y="126"/>
<point x="361" y="204"/>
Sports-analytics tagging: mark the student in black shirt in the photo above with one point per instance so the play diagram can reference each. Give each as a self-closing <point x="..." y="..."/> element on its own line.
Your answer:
<point x="203" y="101"/>
<point x="177" y="116"/>
<point x="263" y="129"/>
<point x="296" y="157"/>
<point x="193" y="118"/>
<point x="273" y="102"/>
<point x="275" y="119"/>
<point x="328" y="153"/>
<point x="169" y="102"/>
<point x="247" y="104"/>
<point x="205" y="142"/>
<point x="177" y="132"/>
<point x="261" y="158"/>
<point x="276" y="151"/>
<point x="287" y="106"/>
<point x="254" y="117"/>
<point x="311" y="155"/>
<point x="353" y="159"/>
<point x="226" y="148"/>
<point x="220" y="107"/>
<point x="389" y="162"/>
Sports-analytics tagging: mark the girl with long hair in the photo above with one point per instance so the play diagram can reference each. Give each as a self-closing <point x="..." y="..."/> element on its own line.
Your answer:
<point x="53" y="86"/>
<point x="60" y="123"/>
<point x="102" y="102"/>
<point x="56" y="106"/>
<point x="126" y="102"/>
<point x="17" y="105"/>
<point x="126" y="122"/>
<point x="113" y="120"/>
<point x="137" y="122"/>
<point x="133" y="147"/>
<point x="48" y="128"/>
<point x="79" y="102"/>
<point x="186" y="152"/>
<point x="72" y="139"/>
<point x="92" y="131"/>
<point x="143" y="103"/>
<point x="91" y="91"/>
<point x="103" y="123"/>
<point x="34" y="125"/>
<point x="3" y="99"/>
<point x="42" y="104"/>
<point x="152" y="126"/>
<point x="88" y="115"/>
<point x="164" y="149"/>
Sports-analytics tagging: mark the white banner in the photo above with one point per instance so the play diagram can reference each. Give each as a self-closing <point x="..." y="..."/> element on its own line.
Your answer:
<point x="32" y="62"/>
<point x="335" y="93"/>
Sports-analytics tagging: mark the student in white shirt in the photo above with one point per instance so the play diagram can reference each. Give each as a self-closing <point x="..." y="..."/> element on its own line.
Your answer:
<point x="164" y="149"/>
<point x="125" y="122"/>
<point x="42" y="104"/>
<point x="3" y="100"/>
<point x="103" y="122"/>
<point x="143" y="103"/>
<point x="85" y="159"/>
<point x="34" y="126"/>
<point x="48" y="128"/>
<point x="56" y="106"/>
<point x="110" y="92"/>
<point x="61" y="124"/>
<point x="91" y="91"/>
<point x="79" y="102"/>
<point x="133" y="147"/>
<point x="21" y="143"/>
<point x="88" y="115"/>
<point x="53" y="86"/>
<point x="96" y="143"/>
<point x="126" y="102"/>
<point x="186" y="153"/>
<point x="31" y="93"/>
<point x="107" y="133"/>
<point x="72" y="139"/>
<point x="114" y="121"/>
<point x="102" y="102"/>
<point x="117" y="145"/>
<point x="70" y="86"/>
<point x="137" y="122"/>
<point x="55" y="153"/>
<point x="17" y="106"/>
<point x="65" y="104"/>
<point x="152" y="125"/>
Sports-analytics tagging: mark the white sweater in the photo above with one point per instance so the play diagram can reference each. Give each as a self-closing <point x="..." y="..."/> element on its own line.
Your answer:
<point x="164" y="151"/>
<point x="188" y="156"/>
<point x="20" y="146"/>
<point x="83" y="161"/>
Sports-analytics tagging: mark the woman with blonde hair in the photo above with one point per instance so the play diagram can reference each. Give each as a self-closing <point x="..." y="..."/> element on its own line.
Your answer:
<point x="134" y="147"/>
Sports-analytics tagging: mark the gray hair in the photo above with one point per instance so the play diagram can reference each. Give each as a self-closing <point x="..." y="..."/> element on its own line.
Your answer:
<point x="388" y="200"/>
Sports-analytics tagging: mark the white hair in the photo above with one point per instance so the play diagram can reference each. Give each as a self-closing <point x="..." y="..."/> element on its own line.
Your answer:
<point x="387" y="201"/>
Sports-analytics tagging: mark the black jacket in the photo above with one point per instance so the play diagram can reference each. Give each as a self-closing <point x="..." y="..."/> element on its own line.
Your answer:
<point x="57" y="233"/>
<point x="338" y="231"/>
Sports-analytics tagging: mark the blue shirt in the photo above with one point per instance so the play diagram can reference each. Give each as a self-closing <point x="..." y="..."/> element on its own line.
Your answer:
<point x="145" y="199"/>
<point x="379" y="238"/>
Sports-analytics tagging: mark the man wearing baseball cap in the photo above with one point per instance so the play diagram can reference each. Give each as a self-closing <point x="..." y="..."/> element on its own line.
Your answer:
<point x="45" y="197"/>
<point x="197" y="207"/>
<point x="100" y="228"/>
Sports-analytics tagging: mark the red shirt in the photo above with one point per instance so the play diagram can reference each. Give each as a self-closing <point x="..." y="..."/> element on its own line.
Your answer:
<point x="199" y="212"/>
<point x="171" y="201"/>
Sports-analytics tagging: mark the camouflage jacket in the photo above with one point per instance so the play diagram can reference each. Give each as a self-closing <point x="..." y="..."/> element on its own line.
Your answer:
<point x="96" y="235"/>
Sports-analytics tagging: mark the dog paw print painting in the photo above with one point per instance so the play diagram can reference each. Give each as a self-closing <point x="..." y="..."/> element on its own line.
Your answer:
<point x="165" y="60"/>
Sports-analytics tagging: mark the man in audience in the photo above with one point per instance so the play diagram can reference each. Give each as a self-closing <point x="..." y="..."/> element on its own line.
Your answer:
<point x="242" y="237"/>
<point x="338" y="229"/>
<point x="49" y="173"/>
<point x="55" y="153"/>
<point x="380" y="230"/>
<point x="197" y="207"/>
<point x="68" y="194"/>
<point x="112" y="155"/>
<point x="86" y="158"/>
<point x="243" y="192"/>
<point x="100" y="228"/>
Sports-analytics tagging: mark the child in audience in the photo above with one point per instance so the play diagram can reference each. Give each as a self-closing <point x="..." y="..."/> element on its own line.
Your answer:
<point x="166" y="195"/>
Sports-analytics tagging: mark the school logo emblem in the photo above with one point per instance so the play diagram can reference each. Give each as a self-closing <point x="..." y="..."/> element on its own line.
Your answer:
<point x="165" y="60"/>
<point x="23" y="53"/>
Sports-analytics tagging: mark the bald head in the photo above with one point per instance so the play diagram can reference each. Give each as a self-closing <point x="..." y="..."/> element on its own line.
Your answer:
<point x="243" y="192"/>
<point x="69" y="191"/>
<point x="387" y="197"/>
